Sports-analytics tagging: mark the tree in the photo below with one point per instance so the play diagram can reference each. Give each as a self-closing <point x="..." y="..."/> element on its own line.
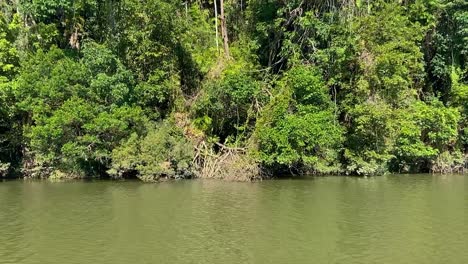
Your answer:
<point x="426" y="131"/>
<point x="297" y="129"/>
<point x="8" y="53"/>
<point x="224" y="32"/>
<point x="352" y="87"/>
<point x="75" y="112"/>
<point x="9" y="64"/>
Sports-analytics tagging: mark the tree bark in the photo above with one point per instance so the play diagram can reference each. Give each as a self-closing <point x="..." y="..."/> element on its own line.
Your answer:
<point x="216" y="25"/>
<point x="224" y="30"/>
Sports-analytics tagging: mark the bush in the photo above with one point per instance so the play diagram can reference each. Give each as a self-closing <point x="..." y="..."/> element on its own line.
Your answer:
<point x="227" y="103"/>
<point x="163" y="153"/>
<point x="448" y="162"/>
<point x="370" y="139"/>
<point x="4" y="167"/>
<point x="426" y="136"/>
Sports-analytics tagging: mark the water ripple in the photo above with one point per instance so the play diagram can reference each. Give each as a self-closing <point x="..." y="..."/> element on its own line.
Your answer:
<point x="392" y="219"/>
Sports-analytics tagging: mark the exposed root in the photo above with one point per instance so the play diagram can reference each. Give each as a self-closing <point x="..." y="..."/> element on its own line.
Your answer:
<point x="232" y="164"/>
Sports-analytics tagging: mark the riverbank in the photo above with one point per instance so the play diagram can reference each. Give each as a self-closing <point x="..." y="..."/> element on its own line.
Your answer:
<point x="233" y="178"/>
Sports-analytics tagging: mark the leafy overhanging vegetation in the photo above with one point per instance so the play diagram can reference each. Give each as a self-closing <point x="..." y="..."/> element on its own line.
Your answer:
<point x="167" y="89"/>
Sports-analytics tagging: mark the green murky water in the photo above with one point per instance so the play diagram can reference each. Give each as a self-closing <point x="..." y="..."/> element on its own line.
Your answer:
<point x="391" y="219"/>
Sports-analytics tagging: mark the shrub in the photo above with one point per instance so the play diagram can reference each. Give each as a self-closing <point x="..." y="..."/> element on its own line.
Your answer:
<point x="163" y="153"/>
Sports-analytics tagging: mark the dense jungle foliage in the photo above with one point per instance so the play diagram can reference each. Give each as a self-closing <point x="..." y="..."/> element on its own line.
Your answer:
<point x="172" y="89"/>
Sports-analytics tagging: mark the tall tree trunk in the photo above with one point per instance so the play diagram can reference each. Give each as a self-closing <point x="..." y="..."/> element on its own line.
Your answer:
<point x="216" y="25"/>
<point x="224" y="30"/>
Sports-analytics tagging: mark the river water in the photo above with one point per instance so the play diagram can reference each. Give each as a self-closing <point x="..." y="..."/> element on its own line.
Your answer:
<point x="389" y="219"/>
